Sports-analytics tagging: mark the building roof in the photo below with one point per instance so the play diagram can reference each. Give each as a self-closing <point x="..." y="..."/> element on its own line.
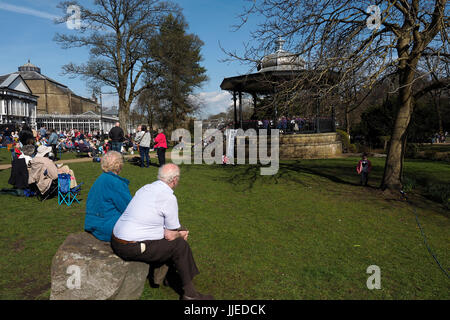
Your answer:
<point x="15" y="86"/>
<point x="281" y="60"/>
<point x="30" y="72"/>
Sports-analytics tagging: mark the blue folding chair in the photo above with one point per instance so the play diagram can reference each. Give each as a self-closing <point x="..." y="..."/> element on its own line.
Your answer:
<point x="65" y="193"/>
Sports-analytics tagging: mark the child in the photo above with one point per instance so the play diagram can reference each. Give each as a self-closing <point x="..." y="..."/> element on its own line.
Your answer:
<point x="363" y="168"/>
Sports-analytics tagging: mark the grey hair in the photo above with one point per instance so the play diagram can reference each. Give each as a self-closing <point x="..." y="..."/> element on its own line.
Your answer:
<point x="168" y="172"/>
<point x="112" y="162"/>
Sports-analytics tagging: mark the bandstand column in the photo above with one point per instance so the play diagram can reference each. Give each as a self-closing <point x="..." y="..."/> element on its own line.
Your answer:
<point x="240" y="109"/>
<point x="235" y="112"/>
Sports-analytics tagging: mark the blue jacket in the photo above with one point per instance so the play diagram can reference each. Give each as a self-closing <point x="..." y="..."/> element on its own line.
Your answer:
<point x="53" y="138"/>
<point x="107" y="200"/>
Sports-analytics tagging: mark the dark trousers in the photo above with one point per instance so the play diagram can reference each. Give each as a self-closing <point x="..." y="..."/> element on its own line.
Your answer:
<point x="116" y="146"/>
<point x="175" y="253"/>
<point x="364" y="178"/>
<point x="145" y="158"/>
<point x="161" y="152"/>
<point x="54" y="151"/>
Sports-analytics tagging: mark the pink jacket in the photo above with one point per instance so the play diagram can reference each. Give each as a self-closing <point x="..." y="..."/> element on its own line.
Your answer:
<point x="160" y="140"/>
<point x="359" y="166"/>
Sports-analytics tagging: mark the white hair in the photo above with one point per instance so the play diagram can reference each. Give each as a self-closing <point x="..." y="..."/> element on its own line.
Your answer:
<point x="168" y="172"/>
<point x="112" y="162"/>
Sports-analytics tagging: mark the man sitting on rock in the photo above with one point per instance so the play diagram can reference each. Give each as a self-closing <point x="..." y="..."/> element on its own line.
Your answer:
<point x="149" y="231"/>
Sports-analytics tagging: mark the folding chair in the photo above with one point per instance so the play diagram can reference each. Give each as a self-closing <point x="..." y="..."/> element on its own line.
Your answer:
<point x="65" y="193"/>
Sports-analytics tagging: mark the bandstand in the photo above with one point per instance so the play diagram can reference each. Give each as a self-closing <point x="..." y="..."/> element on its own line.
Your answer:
<point x="318" y="138"/>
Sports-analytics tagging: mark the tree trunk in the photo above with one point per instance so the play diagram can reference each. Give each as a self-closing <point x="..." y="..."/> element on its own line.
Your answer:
<point x="347" y="120"/>
<point x="124" y="111"/>
<point x="394" y="162"/>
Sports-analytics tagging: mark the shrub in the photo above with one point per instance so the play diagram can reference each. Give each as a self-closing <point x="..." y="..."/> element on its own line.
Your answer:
<point x="345" y="138"/>
<point x="409" y="183"/>
<point x="412" y="150"/>
<point x="439" y="192"/>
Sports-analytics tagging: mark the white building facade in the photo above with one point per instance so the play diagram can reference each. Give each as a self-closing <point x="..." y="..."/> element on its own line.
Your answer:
<point x="86" y="122"/>
<point x="17" y="103"/>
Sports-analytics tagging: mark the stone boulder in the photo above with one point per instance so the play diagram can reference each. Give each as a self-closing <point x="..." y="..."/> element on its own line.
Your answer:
<point x="85" y="268"/>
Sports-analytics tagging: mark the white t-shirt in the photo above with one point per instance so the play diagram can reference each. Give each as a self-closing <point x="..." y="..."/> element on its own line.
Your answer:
<point x="153" y="208"/>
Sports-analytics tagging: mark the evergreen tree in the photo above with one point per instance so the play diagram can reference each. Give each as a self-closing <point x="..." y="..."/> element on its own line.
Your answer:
<point x="178" y="70"/>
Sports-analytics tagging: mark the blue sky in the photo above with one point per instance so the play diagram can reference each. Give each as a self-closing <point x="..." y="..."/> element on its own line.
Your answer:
<point x="28" y="32"/>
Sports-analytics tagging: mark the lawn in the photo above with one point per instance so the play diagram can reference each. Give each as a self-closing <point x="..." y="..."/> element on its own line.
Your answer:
<point x="309" y="232"/>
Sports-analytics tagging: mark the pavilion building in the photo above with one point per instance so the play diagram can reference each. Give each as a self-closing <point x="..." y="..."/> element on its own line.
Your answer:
<point x="55" y="105"/>
<point x="17" y="102"/>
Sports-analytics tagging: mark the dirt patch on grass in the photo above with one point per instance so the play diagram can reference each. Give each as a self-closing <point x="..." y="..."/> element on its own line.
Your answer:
<point x="18" y="245"/>
<point x="31" y="289"/>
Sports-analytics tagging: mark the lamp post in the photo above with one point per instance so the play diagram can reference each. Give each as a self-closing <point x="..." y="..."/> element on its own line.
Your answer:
<point x="101" y="113"/>
<point x="317" y="115"/>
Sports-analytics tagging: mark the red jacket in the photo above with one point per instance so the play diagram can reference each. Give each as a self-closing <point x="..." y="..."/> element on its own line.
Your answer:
<point x="160" y="140"/>
<point x="359" y="166"/>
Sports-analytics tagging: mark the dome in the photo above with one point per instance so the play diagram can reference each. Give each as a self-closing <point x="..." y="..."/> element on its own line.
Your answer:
<point x="281" y="60"/>
<point x="30" y="67"/>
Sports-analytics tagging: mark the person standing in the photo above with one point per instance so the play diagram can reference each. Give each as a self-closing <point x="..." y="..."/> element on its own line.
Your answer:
<point x="161" y="146"/>
<point x="53" y="141"/>
<point x="117" y="137"/>
<point x="42" y="132"/>
<point x="363" y="168"/>
<point x="143" y="138"/>
<point x="149" y="231"/>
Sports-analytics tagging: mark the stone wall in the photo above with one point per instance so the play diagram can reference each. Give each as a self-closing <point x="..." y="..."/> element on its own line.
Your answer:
<point x="310" y="146"/>
<point x="301" y="146"/>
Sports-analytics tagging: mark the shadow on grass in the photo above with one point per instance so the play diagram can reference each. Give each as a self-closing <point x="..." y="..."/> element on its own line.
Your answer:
<point x="136" y="161"/>
<point x="246" y="176"/>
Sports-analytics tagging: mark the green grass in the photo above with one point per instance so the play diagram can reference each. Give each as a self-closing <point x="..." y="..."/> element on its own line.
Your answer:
<point x="437" y="147"/>
<point x="309" y="232"/>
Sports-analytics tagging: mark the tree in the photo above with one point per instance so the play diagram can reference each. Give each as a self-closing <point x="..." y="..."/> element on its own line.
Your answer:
<point x="117" y="33"/>
<point x="382" y="37"/>
<point x="149" y="106"/>
<point x="178" y="67"/>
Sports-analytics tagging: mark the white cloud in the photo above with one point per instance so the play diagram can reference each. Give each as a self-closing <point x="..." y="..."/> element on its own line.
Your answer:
<point x="27" y="11"/>
<point x="214" y="102"/>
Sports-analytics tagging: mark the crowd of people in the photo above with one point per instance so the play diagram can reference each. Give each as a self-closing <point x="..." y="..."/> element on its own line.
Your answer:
<point x="285" y="124"/>
<point x="142" y="228"/>
<point x="439" y="137"/>
<point x="33" y="168"/>
<point x="93" y="144"/>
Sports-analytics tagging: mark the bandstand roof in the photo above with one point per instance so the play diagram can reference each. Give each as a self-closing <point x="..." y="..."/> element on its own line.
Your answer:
<point x="274" y="70"/>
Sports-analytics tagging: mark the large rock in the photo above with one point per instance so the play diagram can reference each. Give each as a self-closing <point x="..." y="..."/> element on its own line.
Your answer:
<point x="85" y="268"/>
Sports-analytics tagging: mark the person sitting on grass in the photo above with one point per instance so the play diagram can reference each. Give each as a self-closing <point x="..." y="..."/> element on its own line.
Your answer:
<point x="363" y="168"/>
<point x="149" y="231"/>
<point x="43" y="171"/>
<point x="107" y="199"/>
<point x="85" y="147"/>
